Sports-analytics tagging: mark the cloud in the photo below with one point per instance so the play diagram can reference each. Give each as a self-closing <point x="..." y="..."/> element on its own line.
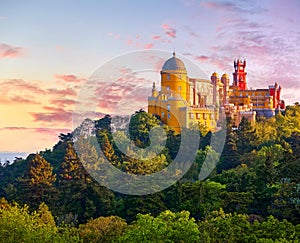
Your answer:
<point x="13" y="128"/>
<point x="149" y="46"/>
<point x="8" y="51"/>
<point x="53" y="115"/>
<point x="156" y="37"/>
<point x="63" y="102"/>
<point x="240" y="7"/>
<point x="22" y="100"/>
<point x="62" y="92"/>
<point x="69" y="78"/>
<point x="169" y="31"/>
<point x="44" y="130"/>
<point x="19" y="85"/>
<point x="18" y="100"/>
<point x="202" y="58"/>
<point x="225" y="5"/>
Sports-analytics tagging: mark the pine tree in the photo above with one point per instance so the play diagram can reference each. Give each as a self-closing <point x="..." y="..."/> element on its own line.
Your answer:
<point x="108" y="149"/>
<point x="39" y="172"/>
<point x="80" y="195"/>
<point x="37" y="182"/>
<point x="71" y="167"/>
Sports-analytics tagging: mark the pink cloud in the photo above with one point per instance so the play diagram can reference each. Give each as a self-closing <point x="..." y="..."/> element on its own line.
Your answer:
<point x="63" y="102"/>
<point x="226" y="5"/>
<point x="17" y="100"/>
<point x="202" y="58"/>
<point x="169" y="31"/>
<point x="7" y="51"/>
<point x="22" y="100"/>
<point x="155" y="37"/>
<point x="21" y="85"/>
<point x="62" y="92"/>
<point x="13" y="128"/>
<point x="149" y="46"/>
<point x="38" y="129"/>
<point x="53" y="116"/>
<point x="69" y="78"/>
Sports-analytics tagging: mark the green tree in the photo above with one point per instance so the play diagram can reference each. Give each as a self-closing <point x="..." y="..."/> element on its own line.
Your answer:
<point x="131" y="205"/>
<point x="81" y="197"/>
<point x="139" y="127"/>
<point x="39" y="172"/>
<point x="222" y="227"/>
<point x="102" y="229"/>
<point x="230" y="157"/>
<point x="246" y="138"/>
<point x="200" y="197"/>
<point x="107" y="148"/>
<point x="265" y="130"/>
<point x="266" y="168"/>
<point x="166" y="227"/>
<point x="17" y="224"/>
<point x="37" y="182"/>
<point x="285" y="202"/>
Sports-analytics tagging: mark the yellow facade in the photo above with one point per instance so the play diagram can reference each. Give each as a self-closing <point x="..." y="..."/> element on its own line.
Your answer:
<point x="179" y="102"/>
<point x="184" y="101"/>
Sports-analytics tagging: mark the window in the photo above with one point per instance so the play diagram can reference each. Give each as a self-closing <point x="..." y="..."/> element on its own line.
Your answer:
<point x="191" y="115"/>
<point x="168" y="76"/>
<point x="198" y="116"/>
<point x="168" y="107"/>
<point x="168" y="88"/>
<point x="179" y="88"/>
<point x="162" y="115"/>
<point x="169" y="116"/>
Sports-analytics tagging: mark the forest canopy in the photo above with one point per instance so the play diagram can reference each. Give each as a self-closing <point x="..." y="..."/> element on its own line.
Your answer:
<point x="252" y="195"/>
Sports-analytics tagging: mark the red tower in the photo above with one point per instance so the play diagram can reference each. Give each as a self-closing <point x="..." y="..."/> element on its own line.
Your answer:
<point x="275" y="92"/>
<point x="239" y="75"/>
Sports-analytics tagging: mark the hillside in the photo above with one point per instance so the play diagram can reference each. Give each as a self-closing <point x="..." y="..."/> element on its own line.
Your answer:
<point x="251" y="195"/>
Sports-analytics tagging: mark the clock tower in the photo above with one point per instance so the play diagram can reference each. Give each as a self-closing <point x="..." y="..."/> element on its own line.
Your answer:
<point x="239" y="75"/>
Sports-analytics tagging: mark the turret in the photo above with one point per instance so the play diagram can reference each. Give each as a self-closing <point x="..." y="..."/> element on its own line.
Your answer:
<point x="239" y="75"/>
<point x="215" y="82"/>
<point x="154" y="91"/>
<point x="225" y="82"/>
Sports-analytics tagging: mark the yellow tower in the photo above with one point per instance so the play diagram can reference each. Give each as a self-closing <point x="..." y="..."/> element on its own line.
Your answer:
<point x="176" y="103"/>
<point x="174" y="77"/>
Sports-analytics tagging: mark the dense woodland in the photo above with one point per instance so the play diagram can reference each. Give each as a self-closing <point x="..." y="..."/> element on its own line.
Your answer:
<point x="253" y="194"/>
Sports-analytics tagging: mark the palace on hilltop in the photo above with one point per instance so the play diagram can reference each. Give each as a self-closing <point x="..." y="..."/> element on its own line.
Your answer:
<point x="184" y="101"/>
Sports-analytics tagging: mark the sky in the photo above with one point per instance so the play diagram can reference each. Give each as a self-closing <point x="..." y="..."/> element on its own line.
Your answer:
<point x="50" y="49"/>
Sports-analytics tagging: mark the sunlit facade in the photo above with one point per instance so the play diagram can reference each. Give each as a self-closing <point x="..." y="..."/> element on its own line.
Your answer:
<point x="184" y="101"/>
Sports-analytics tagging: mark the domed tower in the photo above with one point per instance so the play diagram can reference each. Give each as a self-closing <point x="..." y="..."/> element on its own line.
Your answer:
<point x="225" y="82"/>
<point x="174" y="77"/>
<point x="215" y="80"/>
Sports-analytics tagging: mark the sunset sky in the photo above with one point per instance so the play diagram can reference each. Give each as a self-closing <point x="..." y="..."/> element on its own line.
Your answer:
<point x="48" y="49"/>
